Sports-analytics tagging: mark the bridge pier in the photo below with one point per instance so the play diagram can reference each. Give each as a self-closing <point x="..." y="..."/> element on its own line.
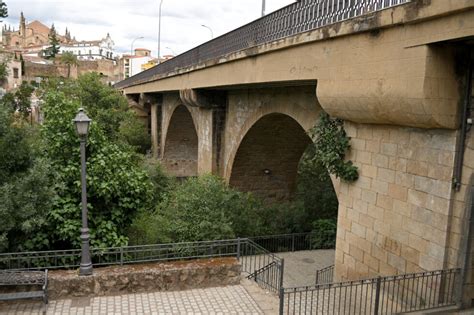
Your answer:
<point x="397" y="78"/>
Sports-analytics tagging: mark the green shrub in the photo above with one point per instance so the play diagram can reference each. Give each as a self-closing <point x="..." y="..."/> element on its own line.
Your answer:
<point x="204" y="208"/>
<point x="323" y="234"/>
<point x="331" y="144"/>
<point x="134" y="132"/>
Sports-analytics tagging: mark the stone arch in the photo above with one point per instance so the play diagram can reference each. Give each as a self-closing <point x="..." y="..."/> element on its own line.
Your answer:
<point x="180" y="150"/>
<point x="267" y="158"/>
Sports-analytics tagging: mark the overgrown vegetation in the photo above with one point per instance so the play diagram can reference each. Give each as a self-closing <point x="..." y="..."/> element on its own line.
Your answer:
<point x="331" y="144"/>
<point x="40" y="191"/>
<point x="131" y="200"/>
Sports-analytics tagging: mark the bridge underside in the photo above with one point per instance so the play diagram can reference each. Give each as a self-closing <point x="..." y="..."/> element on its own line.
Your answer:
<point x="398" y="78"/>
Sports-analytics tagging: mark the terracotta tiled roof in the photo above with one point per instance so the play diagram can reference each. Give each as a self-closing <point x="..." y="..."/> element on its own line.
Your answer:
<point x="38" y="27"/>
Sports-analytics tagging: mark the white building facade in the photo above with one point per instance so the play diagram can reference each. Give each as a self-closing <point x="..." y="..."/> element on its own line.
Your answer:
<point x="91" y="50"/>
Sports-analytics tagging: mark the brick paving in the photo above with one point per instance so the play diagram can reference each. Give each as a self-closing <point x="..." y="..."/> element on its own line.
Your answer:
<point x="221" y="300"/>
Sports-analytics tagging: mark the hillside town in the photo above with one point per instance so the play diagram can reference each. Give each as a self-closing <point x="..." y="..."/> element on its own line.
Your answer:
<point x="25" y="48"/>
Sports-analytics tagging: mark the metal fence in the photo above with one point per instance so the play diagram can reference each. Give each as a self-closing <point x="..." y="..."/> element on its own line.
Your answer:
<point x="382" y="295"/>
<point x="325" y="275"/>
<point x="301" y="16"/>
<point x="119" y="255"/>
<point x="160" y="252"/>
<point x="257" y="263"/>
<point x="260" y="265"/>
<point x="296" y="241"/>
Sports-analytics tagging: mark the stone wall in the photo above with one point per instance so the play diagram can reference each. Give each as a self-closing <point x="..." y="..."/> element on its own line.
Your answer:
<point x="180" y="155"/>
<point x="169" y="276"/>
<point x="395" y="218"/>
<point x="247" y="106"/>
<point x="266" y="163"/>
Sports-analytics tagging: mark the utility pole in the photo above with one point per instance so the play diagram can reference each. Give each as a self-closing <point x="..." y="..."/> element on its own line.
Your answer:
<point x="159" y="31"/>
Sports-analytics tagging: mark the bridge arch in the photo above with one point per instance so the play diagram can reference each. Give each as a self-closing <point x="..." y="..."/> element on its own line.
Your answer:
<point x="266" y="160"/>
<point x="180" y="143"/>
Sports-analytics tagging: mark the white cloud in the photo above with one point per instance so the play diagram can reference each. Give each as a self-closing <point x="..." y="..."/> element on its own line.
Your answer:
<point x="126" y="20"/>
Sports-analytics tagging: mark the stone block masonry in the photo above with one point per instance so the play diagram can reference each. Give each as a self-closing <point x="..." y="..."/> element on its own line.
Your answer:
<point x="396" y="217"/>
<point x="169" y="276"/>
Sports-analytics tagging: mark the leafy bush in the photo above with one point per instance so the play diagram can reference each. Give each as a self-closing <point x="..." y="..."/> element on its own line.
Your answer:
<point x="315" y="189"/>
<point x="133" y="131"/>
<point x="24" y="203"/>
<point x="331" y="144"/>
<point x="202" y="208"/>
<point x="323" y="234"/>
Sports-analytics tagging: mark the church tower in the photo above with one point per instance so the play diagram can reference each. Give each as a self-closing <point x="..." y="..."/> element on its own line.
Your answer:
<point x="22" y="25"/>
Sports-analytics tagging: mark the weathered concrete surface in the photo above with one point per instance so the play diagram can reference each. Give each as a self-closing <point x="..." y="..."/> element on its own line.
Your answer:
<point x="169" y="276"/>
<point x="301" y="266"/>
<point x="379" y="68"/>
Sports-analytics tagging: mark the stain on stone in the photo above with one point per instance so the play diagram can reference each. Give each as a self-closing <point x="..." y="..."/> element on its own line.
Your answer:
<point x="308" y="260"/>
<point x="81" y="302"/>
<point x="412" y="9"/>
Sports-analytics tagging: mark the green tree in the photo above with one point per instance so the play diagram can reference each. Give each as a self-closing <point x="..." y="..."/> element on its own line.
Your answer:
<point x="118" y="187"/>
<point x="69" y="59"/>
<point x="20" y="100"/>
<point x="25" y="185"/>
<point x="53" y="49"/>
<point x="3" y="9"/>
<point x="315" y="189"/>
<point x="133" y="131"/>
<point x="24" y="203"/>
<point x="3" y="72"/>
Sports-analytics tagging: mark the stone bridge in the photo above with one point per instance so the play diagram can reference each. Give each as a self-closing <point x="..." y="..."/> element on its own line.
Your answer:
<point x="398" y="72"/>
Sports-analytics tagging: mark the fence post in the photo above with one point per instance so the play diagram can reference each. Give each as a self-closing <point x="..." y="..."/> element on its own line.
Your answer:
<point x="317" y="277"/>
<point x="377" y="295"/>
<point x="282" y="270"/>
<point x="238" y="248"/>
<point x="121" y="255"/>
<point x="292" y="242"/>
<point x="281" y="296"/>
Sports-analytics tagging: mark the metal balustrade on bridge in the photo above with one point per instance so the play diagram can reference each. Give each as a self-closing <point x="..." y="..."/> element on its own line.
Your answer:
<point x="299" y="17"/>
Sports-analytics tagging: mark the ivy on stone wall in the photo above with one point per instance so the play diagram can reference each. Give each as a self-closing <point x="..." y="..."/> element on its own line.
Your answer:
<point x="331" y="143"/>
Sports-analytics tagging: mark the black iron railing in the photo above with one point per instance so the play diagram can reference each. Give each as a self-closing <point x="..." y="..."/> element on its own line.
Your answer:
<point x="325" y="275"/>
<point x="296" y="241"/>
<point x="301" y="16"/>
<point x="381" y="295"/>
<point x="251" y="256"/>
<point x="64" y="259"/>
<point x="265" y="268"/>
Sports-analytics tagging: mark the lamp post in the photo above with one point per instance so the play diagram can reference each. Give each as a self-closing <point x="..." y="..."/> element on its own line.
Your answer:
<point x="212" y="33"/>
<point x="131" y="54"/>
<point x="172" y="51"/>
<point x="263" y="7"/>
<point x="82" y="122"/>
<point x="159" y="30"/>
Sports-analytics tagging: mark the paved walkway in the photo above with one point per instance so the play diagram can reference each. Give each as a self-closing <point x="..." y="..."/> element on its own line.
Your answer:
<point x="300" y="267"/>
<point x="247" y="298"/>
<point x="222" y="300"/>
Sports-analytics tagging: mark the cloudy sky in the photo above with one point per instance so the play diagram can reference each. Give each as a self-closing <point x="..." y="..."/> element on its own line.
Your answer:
<point x="126" y="20"/>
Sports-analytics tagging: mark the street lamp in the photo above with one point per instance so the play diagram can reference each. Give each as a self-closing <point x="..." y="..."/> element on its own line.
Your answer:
<point x="172" y="51"/>
<point x="131" y="54"/>
<point x="82" y="123"/>
<point x="159" y="30"/>
<point x="212" y="33"/>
